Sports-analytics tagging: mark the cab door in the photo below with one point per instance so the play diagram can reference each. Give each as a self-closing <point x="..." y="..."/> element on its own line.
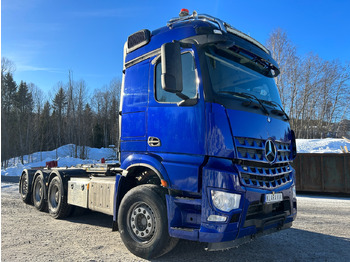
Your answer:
<point x="176" y="132"/>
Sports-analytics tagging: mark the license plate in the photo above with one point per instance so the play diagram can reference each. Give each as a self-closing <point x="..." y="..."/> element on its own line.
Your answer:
<point x="272" y="198"/>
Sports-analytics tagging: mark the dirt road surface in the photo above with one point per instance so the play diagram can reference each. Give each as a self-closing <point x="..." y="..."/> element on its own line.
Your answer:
<point x="320" y="233"/>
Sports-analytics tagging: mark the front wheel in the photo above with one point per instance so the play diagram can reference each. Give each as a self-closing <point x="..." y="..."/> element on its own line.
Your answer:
<point x="143" y="224"/>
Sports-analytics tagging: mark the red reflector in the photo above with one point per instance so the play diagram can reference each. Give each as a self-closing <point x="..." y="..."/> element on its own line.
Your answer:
<point x="184" y="12"/>
<point x="51" y="164"/>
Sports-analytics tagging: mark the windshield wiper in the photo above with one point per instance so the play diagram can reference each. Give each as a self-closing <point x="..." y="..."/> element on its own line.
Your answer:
<point x="278" y="105"/>
<point x="249" y="96"/>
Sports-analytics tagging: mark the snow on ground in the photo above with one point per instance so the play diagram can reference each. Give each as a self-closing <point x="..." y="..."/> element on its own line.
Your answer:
<point x="328" y="145"/>
<point x="63" y="155"/>
<point x="9" y="188"/>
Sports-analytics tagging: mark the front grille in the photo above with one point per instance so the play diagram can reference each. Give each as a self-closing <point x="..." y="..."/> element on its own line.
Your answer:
<point x="254" y="168"/>
<point x="267" y="178"/>
<point x="253" y="150"/>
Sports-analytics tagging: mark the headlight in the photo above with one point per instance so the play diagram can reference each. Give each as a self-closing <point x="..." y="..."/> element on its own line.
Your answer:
<point x="225" y="201"/>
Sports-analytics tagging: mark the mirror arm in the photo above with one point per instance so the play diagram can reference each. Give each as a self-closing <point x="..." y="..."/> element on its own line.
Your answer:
<point x="188" y="102"/>
<point x="182" y="96"/>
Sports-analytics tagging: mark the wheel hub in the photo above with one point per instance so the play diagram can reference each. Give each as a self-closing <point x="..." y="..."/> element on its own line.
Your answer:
<point x="142" y="222"/>
<point x="38" y="192"/>
<point x="56" y="197"/>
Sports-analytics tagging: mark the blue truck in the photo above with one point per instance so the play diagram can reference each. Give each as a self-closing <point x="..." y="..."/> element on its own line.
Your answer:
<point x="205" y="145"/>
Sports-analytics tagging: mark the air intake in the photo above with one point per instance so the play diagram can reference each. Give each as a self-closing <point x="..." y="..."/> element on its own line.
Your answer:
<point x="138" y="40"/>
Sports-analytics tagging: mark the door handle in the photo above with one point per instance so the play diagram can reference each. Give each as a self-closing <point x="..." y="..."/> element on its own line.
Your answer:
<point x="153" y="141"/>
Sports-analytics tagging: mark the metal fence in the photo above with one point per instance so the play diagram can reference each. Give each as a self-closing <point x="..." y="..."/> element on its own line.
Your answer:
<point x="328" y="173"/>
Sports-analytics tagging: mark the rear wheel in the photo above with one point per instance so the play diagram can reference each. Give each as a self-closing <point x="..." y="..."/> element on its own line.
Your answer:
<point x="57" y="200"/>
<point x="24" y="189"/>
<point x="142" y="221"/>
<point x="39" y="189"/>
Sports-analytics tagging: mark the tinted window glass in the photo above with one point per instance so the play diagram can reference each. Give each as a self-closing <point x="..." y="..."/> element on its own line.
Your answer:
<point x="232" y="73"/>
<point x="188" y="79"/>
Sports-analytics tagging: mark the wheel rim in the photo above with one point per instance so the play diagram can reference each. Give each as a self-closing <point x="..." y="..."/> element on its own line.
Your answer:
<point x="38" y="191"/>
<point x="141" y="222"/>
<point x="24" y="186"/>
<point x="54" y="197"/>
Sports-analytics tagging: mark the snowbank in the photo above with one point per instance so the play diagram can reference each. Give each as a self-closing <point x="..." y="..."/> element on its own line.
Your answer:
<point x="63" y="155"/>
<point x="328" y="145"/>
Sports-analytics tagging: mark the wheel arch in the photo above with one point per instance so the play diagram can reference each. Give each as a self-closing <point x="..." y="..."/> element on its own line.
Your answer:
<point x="64" y="182"/>
<point x="151" y="162"/>
<point x="138" y="171"/>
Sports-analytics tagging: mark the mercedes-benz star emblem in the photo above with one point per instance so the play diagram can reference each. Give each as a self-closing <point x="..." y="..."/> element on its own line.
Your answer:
<point x="270" y="151"/>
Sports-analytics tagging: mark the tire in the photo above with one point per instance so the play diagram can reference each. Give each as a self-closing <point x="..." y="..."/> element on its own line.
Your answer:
<point x="39" y="192"/>
<point x="143" y="224"/>
<point x="57" y="200"/>
<point x="25" y="189"/>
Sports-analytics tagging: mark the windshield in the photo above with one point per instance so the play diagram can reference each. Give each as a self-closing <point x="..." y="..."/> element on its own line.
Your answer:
<point x="239" y="74"/>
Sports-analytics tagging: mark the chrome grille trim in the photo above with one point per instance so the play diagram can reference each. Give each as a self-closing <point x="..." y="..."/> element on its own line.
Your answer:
<point x="255" y="170"/>
<point x="266" y="178"/>
<point x="253" y="150"/>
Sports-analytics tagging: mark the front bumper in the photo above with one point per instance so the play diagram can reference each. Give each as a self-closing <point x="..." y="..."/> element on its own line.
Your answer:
<point x="253" y="217"/>
<point x="243" y="240"/>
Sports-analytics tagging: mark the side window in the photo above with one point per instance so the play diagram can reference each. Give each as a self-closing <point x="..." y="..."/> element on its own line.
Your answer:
<point x="188" y="79"/>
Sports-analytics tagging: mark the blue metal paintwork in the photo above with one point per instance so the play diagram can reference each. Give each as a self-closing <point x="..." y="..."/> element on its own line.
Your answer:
<point x="134" y="107"/>
<point x="198" y="148"/>
<point x="219" y="174"/>
<point x="166" y="35"/>
<point x="182" y="170"/>
<point x="148" y="160"/>
<point x="241" y="123"/>
<point x="219" y="137"/>
<point x="135" y="89"/>
<point x="183" y="124"/>
<point x="117" y="196"/>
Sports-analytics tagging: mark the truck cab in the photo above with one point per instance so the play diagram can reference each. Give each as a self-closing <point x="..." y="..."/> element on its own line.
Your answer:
<point x="201" y="111"/>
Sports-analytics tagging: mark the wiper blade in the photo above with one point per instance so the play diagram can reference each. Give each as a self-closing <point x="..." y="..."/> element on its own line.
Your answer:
<point x="249" y="96"/>
<point x="276" y="105"/>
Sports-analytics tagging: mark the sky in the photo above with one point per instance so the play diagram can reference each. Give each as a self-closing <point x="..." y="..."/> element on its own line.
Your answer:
<point x="46" y="38"/>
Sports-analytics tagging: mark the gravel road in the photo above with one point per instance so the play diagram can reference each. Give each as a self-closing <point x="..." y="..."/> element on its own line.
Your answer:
<point x="320" y="233"/>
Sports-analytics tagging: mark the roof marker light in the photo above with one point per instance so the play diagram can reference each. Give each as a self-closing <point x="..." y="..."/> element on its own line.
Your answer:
<point x="184" y="12"/>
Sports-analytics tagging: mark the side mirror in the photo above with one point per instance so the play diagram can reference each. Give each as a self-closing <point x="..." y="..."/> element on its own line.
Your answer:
<point x="171" y="67"/>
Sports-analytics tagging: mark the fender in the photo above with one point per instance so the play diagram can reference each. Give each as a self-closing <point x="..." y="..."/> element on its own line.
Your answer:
<point x="30" y="177"/>
<point x="117" y="200"/>
<point x="64" y="182"/>
<point x="152" y="162"/>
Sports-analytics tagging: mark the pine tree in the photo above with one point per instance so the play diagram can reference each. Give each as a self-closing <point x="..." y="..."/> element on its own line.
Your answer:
<point x="8" y="95"/>
<point x="59" y="105"/>
<point x="24" y="110"/>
